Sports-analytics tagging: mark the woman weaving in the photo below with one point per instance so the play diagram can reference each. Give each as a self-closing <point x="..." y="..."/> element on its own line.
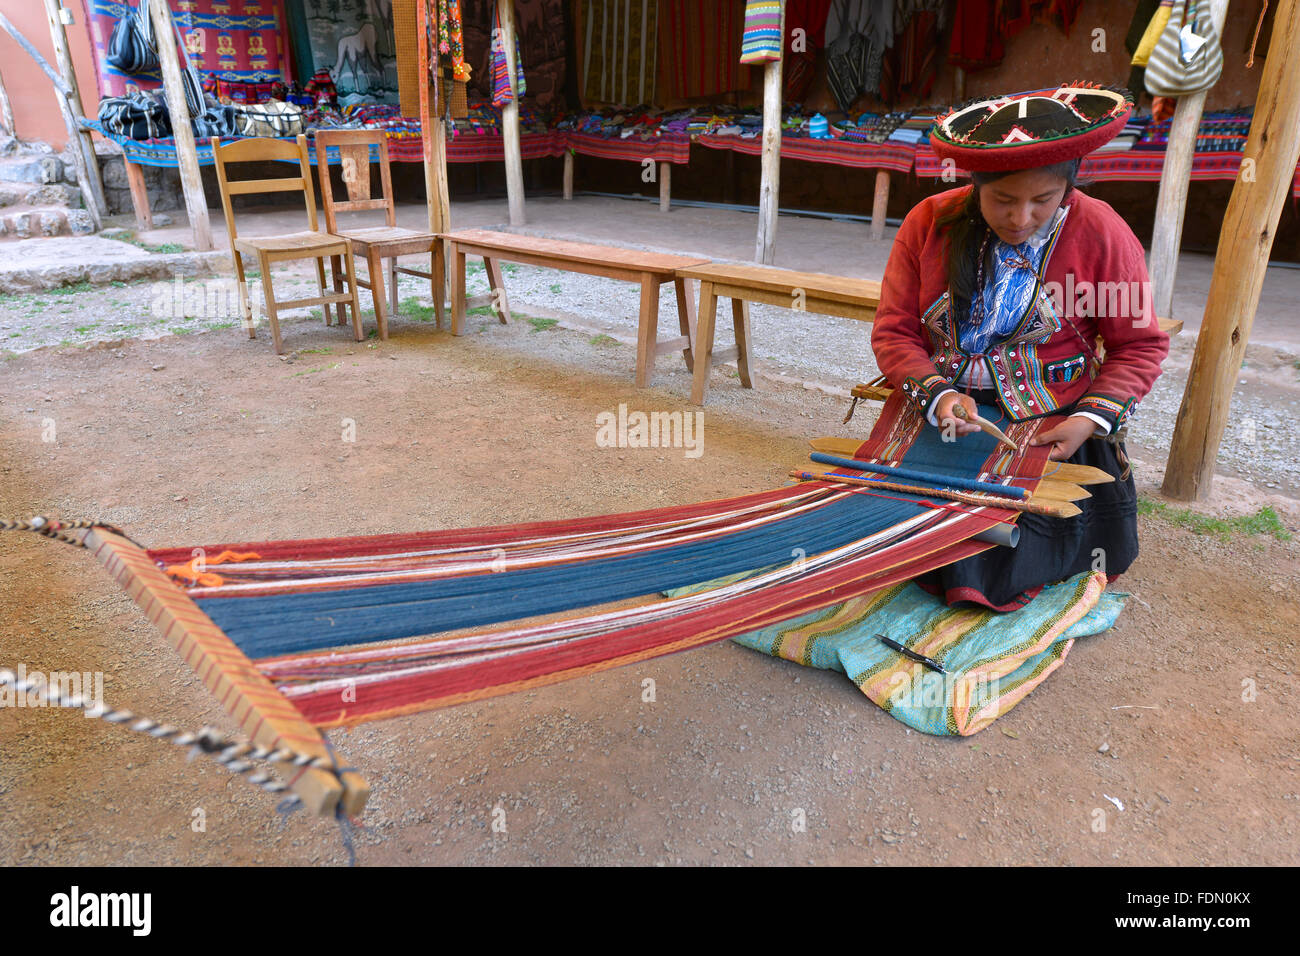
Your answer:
<point x="997" y="293"/>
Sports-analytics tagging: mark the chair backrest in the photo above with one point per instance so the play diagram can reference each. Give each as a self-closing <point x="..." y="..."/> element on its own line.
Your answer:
<point x="262" y="149"/>
<point x="353" y="147"/>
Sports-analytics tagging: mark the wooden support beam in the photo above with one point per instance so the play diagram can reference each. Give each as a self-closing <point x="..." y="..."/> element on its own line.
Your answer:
<point x="769" y="191"/>
<point x="568" y="174"/>
<point x="880" y="204"/>
<point x="1249" y="226"/>
<point x="82" y="141"/>
<point x="1175" y="176"/>
<point x="665" y="187"/>
<point x="61" y="93"/>
<point x="187" y="159"/>
<point x="6" y="111"/>
<point x="510" y="118"/>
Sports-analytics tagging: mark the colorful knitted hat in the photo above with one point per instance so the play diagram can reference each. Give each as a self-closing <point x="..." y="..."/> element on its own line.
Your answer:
<point x="1028" y="130"/>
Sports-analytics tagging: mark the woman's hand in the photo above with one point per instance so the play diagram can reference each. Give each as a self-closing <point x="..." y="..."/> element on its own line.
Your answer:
<point x="1066" y="437"/>
<point x="950" y="423"/>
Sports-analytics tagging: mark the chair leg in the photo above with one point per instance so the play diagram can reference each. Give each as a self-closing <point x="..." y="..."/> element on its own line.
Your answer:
<point x="320" y="284"/>
<point x="272" y="311"/>
<point x="356" y="305"/>
<point x="438" y="267"/>
<point x="336" y="270"/>
<point x="245" y="308"/>
<point x="704" y="321"/>
<point x="376" y="267"/>
<point x="392" y="287"/>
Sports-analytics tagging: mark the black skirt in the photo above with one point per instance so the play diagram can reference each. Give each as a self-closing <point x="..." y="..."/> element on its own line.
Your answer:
<point x="1103" y="537"/>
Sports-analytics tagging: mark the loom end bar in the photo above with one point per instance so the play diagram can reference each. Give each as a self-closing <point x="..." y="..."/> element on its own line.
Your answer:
<point x="263" y="713"/>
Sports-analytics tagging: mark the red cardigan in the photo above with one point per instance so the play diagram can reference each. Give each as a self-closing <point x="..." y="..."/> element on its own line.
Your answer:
<point x="1094" y="283"/>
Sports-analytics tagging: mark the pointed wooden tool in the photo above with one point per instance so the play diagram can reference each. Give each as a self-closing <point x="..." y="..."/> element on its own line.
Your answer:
<point x="986" y="426"/>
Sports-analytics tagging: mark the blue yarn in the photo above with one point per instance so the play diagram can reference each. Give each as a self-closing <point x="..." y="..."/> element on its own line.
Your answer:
<point x="268" y="625"/>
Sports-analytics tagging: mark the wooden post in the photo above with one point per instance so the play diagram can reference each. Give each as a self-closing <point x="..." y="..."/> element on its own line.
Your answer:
<point x="1240" y="262"/>
<point x="769" y="193"/>
<point x="665" y="187"/>
<point x="82" y="140"/>
<point x="6" y="111"/>
<point x="880" y="204"/>
<point x="433" y="133"/>
<point x="510" y="118"/>
<point x="187" y="159"/>
<point x="1171" y="202"/>
<point x="958" y="84"/>
<point x="568" y="173"/>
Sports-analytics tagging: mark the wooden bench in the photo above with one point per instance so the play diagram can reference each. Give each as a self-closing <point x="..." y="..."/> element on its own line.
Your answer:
<point x="650" y="269"/>
<point x="800" y="291"/>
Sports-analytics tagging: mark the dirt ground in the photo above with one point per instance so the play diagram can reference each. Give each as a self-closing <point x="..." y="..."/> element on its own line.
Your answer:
<point x="1185" y="712"/>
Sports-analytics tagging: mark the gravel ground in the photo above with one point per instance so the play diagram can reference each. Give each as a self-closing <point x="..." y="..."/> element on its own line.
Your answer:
<point x="1260" y="446"/>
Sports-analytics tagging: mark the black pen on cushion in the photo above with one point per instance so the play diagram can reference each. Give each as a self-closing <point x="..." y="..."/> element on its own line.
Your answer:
<point x="911" y="654"/>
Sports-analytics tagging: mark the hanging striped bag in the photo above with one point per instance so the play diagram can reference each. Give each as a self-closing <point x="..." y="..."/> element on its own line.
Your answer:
<point x="1188" y="57"/>
<point x="761" y="41"/>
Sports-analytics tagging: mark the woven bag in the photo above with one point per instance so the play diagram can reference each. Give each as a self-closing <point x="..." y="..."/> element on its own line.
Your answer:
<point x="1188" y="57"/>
<point x="272" y="118"/>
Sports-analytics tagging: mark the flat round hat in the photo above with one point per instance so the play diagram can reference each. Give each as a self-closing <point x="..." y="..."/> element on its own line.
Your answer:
<point x="1028" y="130"/>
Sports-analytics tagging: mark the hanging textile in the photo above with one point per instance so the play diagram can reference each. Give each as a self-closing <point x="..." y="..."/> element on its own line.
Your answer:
<point x="501" y="92"/>
<point x="355" y="43"/>
<point x="858" y="33"/>
<point x="805" y="26"/>
<point x="620" y="47"/>
<point x="909" y="69"/>
<point x="451" y="39"/>
<point x="761" y="40"/>
<point x="701" y="47"/>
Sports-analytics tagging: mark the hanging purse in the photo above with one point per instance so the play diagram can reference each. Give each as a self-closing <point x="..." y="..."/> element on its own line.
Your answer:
<point x="268" y="119"/>
<point x="131" y="47"/>
<point x="1188" y="57"/>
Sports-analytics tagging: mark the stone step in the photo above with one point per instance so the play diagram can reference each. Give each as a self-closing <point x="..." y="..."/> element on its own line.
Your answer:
<point x="32" y="222"/>
<point x="40" y="170"/>
<point x="52" y="194"/>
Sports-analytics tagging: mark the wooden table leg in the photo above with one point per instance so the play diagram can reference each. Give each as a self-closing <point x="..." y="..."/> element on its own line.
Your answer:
<point x="740" y="321"/>
<point x="139" y="194"/>
<point x="457" y="288"/>
<point x="439" y="281"/>
<point x="686" y="317"/>
<point x="665" y="186"/>
<point x="880" y="204"/>
<point x="568" y="174"/>
<point x="497" y="288"/>
<point x="704" y="320"/>
<point x="647" y="329"/>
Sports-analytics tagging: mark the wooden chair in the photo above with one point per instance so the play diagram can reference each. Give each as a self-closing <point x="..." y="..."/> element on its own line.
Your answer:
<point x="376" y="244"/>
<point x="311" y="244"/>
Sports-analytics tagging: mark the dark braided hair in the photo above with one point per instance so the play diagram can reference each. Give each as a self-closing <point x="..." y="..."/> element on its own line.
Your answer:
<point x="966" y="228"/>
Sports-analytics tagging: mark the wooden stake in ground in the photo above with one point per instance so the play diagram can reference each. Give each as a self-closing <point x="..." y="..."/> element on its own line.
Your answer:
<point x="1171" y="202"/>
<point x="82" y="140"/>
<point x="1261" y="189"/>
<point x="187" y="159"/>
<point x="769" y="190"/>
<point x="510" y="117"/>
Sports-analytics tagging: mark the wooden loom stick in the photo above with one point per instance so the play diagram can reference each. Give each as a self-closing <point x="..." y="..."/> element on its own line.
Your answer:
<point x="1066" y="471"/>
<point x="1046" y="491"/>
<point x="1052" y="509"/>
<point x="261" y="711"/>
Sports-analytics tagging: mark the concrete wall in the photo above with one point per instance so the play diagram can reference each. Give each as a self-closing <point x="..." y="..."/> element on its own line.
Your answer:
<point x="36" y="106"/>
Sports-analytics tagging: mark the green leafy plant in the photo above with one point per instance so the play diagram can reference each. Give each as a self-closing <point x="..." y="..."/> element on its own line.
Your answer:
<point x="1263" y="522"/>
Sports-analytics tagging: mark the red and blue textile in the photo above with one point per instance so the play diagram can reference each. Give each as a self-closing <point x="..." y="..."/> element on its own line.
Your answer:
<point x="240" y="41"/>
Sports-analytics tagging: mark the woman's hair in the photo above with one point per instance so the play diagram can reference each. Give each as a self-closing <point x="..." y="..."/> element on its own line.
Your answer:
<point x="966" y="228"/>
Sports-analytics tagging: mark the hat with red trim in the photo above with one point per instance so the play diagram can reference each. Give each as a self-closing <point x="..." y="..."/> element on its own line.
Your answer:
<point x="1028" y="130"/>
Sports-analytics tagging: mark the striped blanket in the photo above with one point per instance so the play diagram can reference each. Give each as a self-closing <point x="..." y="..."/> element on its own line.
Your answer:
<point x="992" y="660"/>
